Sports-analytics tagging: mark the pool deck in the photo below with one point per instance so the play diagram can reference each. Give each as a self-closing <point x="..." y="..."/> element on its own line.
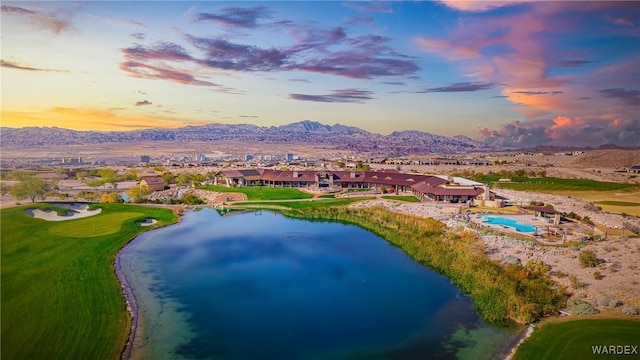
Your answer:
<point x="544" y="228"/>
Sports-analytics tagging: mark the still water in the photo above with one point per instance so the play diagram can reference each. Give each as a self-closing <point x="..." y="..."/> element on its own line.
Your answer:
<point x="263" y="286"/>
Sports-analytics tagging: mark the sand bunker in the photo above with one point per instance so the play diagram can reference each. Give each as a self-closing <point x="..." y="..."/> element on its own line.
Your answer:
<point x="148" y="222"/>
<point x="77" y="211"/>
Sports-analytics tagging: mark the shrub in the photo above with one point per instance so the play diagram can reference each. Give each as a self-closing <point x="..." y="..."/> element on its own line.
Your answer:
<point x="561" y="274"/>
<point x="615" y="303"/>
<point x="598" y="276"/>
<point x="577" y="307"/>
<point x="630" y="311"/>
<point x="510" y="259"/>
<point x="112" y="197"/>
<point x="537" y="267"/>
<point x="588" y="258"/>
<point x="609" y="301"/>
<point x="191" y="199"/>
<point x="573" y="280"/>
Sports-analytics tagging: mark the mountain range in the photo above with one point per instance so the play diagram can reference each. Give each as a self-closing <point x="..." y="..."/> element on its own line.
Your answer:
<point x="398" y="143"/>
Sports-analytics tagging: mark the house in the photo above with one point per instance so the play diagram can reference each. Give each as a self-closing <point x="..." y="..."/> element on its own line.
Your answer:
<point x="424" y="187"/>
<point x="153" y="182"/>
<point x="633" y="169"/>
<point x="454" y="190"/>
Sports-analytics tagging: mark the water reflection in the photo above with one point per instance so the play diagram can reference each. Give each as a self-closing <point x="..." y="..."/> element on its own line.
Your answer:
<point x="269" y="287"/>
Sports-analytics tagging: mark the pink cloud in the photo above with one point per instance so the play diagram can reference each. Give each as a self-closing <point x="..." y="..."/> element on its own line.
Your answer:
<point x="567" y="131"/>
<point x="478" y="5"/>
<point x="56" y="22"/>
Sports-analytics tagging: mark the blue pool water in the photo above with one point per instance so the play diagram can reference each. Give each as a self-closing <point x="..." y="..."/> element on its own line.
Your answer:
<point x="500" y="220"/>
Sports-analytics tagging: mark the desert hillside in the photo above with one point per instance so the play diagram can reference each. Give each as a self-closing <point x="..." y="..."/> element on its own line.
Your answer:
<point x="613" y="158"/>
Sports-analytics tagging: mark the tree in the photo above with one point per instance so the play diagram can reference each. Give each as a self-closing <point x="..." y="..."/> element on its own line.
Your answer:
<point x="112" y="197"/>
<point x="183" y="178"/>
<point x="20" y="175"/>
<point x="31" y="187"/>
<point x="95" y="183"/>
<point x="80" y="175"/>
<point x="4" y="188"/>
<point x="167" y="177"/>
<point x="130" y="174"/>
<point x="107" y="173"/>
<point x="138" y="193"/>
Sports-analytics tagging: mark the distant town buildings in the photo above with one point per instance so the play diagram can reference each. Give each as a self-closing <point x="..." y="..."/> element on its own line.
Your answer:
<point x="71" y="161"/>
<point x="145" y="159"/>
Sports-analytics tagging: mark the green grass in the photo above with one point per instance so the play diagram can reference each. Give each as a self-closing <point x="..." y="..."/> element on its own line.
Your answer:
<point x="618" y="203"/>
<point x="557" y="184"/>
<point x="60" y="211"/>
<point x="261" y="192"/>
<point x="407" y="198"/>
<point x="574" y="339"/>
<point x="302" y="205"/>
<point x="328" y="196"/>
<point x="60" y="296"/>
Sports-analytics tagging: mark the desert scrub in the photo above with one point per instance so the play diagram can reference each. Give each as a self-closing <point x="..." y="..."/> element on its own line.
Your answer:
<point x="509" y="293"/>
<point x="598" y="276"/>
<point x="578" y="307"/>
<point x="537" y="267"/>
<point x="610" y="301"/>
<point x="630" y="311"/>
<point x="588" y="258"/>
<point x="574" y="282"/>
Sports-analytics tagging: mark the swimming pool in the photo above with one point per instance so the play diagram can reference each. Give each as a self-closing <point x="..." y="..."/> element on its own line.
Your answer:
<point x="500" y="220"/>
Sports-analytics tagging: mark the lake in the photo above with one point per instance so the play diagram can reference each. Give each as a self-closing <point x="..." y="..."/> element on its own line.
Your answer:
<point x="264" y="286"/>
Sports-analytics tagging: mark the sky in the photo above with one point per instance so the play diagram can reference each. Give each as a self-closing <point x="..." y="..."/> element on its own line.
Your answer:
<point x="512" y="73"/>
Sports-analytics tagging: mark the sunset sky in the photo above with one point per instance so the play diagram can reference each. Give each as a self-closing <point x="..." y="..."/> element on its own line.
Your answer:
<point x="508" y="72"/>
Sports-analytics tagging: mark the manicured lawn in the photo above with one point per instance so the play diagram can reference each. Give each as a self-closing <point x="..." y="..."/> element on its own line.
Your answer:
<point x="576" y="339"/>
<point x="304" y="204"/>
<point x="60" y="296"/>
<point x="612" y="197"/>
<point x="262" y="192"/>
<point x="557" y="184"/>
<point x="407" y="198"/>
<point x="618" y="203"/>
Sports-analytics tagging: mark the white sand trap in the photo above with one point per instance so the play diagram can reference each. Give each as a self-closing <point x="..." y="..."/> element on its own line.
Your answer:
<point x="148" y="222"/>
<point x="78" y="211"/>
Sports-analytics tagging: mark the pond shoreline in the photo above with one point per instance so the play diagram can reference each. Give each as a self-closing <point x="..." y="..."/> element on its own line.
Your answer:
<point x="131" y="350"/>
<point x="127" y="292"/>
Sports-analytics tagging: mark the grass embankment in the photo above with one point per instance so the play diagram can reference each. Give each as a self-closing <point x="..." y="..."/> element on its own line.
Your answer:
<point x="261" y="192"/>
<point x="60" y="296"/>
<point x="499" y="294"/>
<point x="406" y="198"/>
<point x="577" y="339"/>
<point x="300" y="205"/>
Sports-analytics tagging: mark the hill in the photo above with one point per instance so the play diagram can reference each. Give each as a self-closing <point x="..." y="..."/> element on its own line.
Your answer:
<point x="399" y="143"/>
<point x="614" y="158"/>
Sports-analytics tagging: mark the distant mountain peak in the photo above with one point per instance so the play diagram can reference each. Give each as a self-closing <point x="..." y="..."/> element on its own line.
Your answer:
<point x="398" y="143"/>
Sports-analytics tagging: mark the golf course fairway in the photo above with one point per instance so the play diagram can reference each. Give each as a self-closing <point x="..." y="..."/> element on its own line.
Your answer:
<point x="60" y="296"/>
